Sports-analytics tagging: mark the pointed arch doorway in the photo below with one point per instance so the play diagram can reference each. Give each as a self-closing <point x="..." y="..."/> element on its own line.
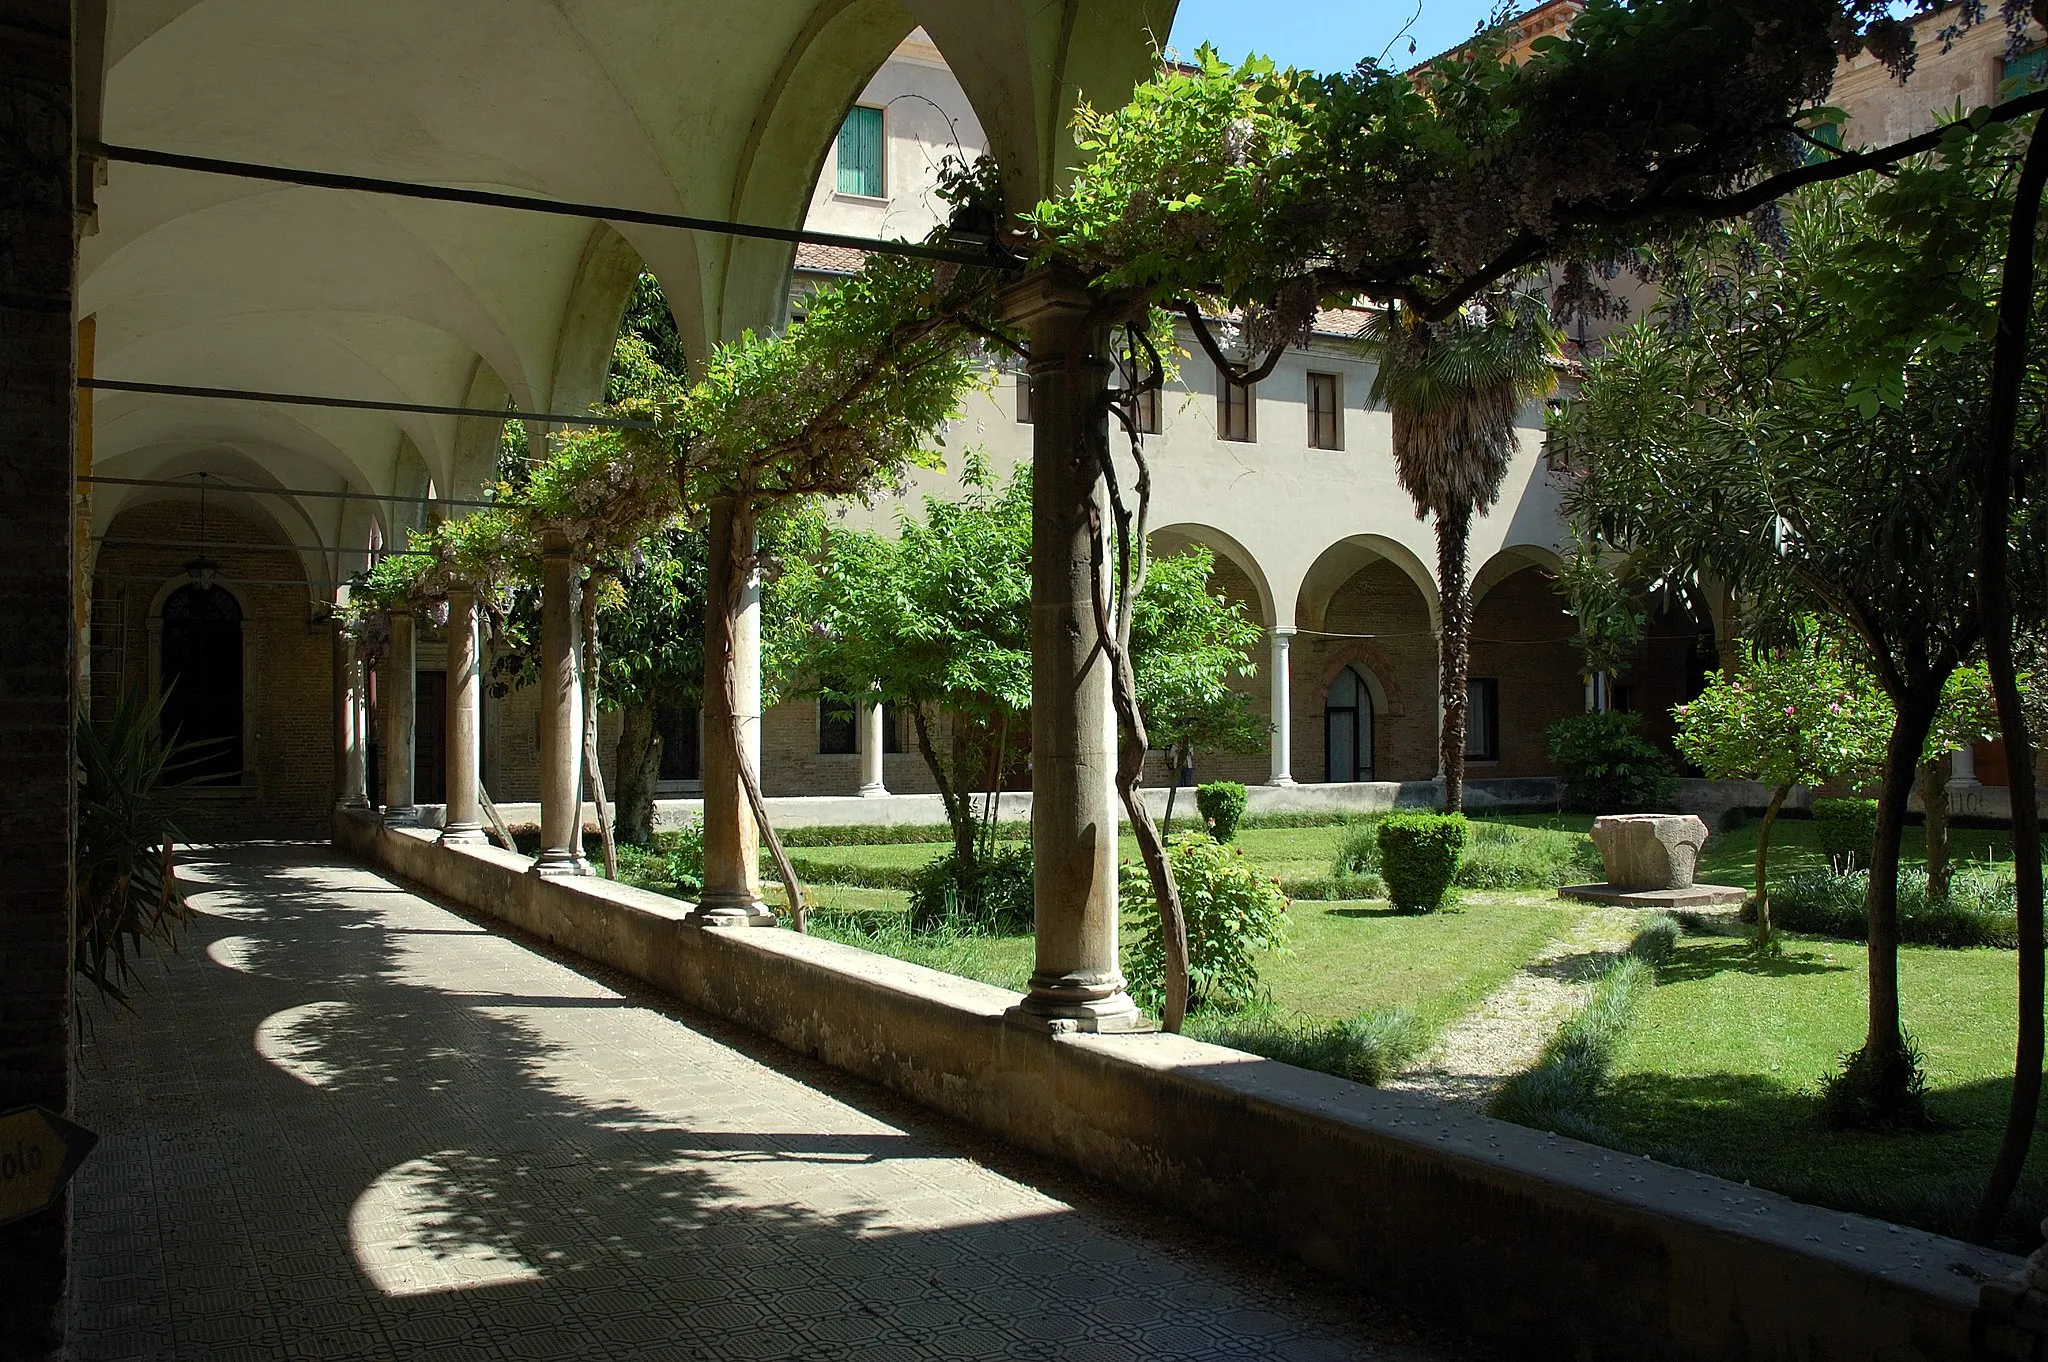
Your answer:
<point x="1347" y="729"/>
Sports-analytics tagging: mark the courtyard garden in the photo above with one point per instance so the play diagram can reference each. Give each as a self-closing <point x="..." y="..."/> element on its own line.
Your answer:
<point x="1716" y="1064"/>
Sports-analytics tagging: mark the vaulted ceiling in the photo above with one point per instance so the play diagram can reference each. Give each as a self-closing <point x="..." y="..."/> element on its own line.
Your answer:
<point x="698" y="107"/>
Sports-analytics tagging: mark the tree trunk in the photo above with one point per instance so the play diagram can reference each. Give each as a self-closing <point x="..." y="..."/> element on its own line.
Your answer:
<point x="959" y="808"/>
<point x="1934" y="803"/>
<point x="2008" y="369"/>
<point x="1762" y="893"/>
<point x="1181" y="757"/>
<point x="1453" y="536"/>
<point x="639" y="768"/>
<point x="1884" y="1043"/>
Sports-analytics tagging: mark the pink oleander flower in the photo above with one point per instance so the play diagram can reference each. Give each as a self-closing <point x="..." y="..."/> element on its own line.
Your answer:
<point x="1788" y="711"/>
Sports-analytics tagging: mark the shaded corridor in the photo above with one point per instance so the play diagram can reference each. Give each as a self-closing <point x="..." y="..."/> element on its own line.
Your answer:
<point x="346" y="1122"/>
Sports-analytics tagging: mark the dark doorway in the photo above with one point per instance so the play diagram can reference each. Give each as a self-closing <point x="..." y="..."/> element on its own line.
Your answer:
<point x="202" y="682"/>
<point x="678" y="728"/>
<point x="430" y="738"/>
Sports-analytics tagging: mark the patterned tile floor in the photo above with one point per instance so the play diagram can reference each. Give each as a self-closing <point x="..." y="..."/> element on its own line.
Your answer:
<point x="346" y="1122"/>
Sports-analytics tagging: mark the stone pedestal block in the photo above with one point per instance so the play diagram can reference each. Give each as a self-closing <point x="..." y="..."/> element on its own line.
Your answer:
<point x="1646" y="851"/>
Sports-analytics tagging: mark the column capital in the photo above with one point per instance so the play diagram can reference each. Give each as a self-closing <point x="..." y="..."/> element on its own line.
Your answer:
<point x="1283" y="631"/>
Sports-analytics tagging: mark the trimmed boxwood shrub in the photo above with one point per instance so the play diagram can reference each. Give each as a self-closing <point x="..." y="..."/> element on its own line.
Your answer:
<point x="1847" y="829"/>
<point x="1222" y="806"/>
<point x="1419" y="854"/>
<point x="1607" y="767"/>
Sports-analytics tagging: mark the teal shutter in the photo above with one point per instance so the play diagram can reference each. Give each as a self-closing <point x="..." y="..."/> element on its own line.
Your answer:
<point x="860" y="153"/>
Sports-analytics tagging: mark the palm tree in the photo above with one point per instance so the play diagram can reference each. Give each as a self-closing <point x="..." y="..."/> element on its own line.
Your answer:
<point x="1454" y="388"/>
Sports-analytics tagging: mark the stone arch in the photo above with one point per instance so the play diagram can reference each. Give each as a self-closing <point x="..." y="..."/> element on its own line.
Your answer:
<point x="1522" y="653"/>
<point x="1172" y="538"/>
<point x="1512" y="559"/>
<point x="1368" y="602"/>
<point x="1343" y="560"/>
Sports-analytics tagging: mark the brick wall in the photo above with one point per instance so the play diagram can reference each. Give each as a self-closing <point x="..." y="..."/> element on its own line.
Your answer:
<point x="1522" y="638"/>
<point x="288" y="784"/>
<point x="37" y="279"/>
<point x="1380" y="601"/>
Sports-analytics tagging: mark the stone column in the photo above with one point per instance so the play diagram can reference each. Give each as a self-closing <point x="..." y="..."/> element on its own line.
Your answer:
<point x="1283" y="705"/>
<point x="38" y="409"/>
<point x="561" y="716"/>
<point x="1078" y="982"/>
<point x="401" y="703"/>
<point x="873" y="784"/>
<point x="1963" y="769"/>
<point x="355" y="731"/>
<point x="463" y="741"/>
<point x="732" y="842"/>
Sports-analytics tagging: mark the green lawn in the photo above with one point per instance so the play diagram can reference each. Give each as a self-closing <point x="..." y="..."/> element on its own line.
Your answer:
<point x="1343" y="958"/>
<point x="1722" y="1070"/>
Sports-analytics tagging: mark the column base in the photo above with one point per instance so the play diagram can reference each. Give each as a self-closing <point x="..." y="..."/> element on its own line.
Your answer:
<point x="402" y="816"/>
<point x="1281" y="780"/>
<point x="1079" y="1002"/>
<point x="558" y="861"/>
<point x="1115" y="1016"/>
<point x="875" y="791"/>
<point x="732" y="911"/>
<point x="1964" y="786"/>
<point x="463" y="834"/>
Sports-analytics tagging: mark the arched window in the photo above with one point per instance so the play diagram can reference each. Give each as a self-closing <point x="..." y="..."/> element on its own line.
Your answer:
<point x="1347" y="728"/>
<point x="202" y="681"/>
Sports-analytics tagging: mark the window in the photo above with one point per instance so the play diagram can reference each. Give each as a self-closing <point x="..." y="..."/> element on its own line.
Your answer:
<point x="1482" y="719"/>
<point x="1023" y="398"/>
<point x="1148" y="411"/>
<point x="1325" y="413"/>
<point x="1347" y="729"/>
<point x="860" y="154"/>
<point x="1828" y="135"/>
<point x="2029" y="69"/>
<point x="837" y="734"/>
<point x="892" y="728"/>
<point x="1234" y="405"/>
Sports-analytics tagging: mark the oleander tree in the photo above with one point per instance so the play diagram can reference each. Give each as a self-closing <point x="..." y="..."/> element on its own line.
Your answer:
<point x="1824" y="456"/>
<point x="1802" y="715"/>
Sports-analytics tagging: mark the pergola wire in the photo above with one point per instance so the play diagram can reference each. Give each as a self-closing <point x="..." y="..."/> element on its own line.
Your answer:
<point x="371" y="184"/>
<point x="357" y="403"/>
<point x="124" y="541"/>
<point x="292" y="491"/>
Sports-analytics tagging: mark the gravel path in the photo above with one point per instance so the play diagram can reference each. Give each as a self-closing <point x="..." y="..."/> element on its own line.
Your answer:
<point x="1505" y="1033"/>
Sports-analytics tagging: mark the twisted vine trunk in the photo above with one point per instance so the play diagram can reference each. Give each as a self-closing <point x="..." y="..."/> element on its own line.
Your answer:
<point x="1453" y="542"/>
<point x="738" y="551"/>
<point x="591" y="765"/>
<point x="1994" y="597"/>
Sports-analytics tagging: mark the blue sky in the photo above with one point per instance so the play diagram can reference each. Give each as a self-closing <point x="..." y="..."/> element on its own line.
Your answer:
<point x="1324" y="35"/>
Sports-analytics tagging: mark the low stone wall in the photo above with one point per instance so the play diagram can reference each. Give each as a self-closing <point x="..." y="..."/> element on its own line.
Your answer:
<point x="1561" y="1249"/>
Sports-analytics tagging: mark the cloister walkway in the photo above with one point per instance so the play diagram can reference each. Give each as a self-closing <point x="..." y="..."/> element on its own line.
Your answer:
<point x="346" y="1122"/>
